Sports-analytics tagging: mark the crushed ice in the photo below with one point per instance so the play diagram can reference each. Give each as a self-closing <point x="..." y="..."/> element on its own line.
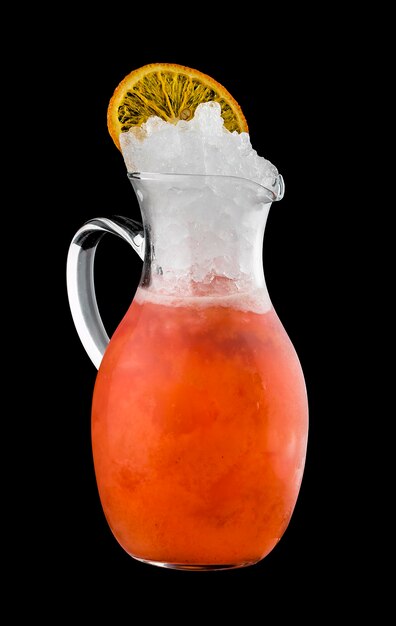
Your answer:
<point x="200" y="146"/>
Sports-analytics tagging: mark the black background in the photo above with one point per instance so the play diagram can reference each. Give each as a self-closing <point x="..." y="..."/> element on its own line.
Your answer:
<point x="285" y="87"/>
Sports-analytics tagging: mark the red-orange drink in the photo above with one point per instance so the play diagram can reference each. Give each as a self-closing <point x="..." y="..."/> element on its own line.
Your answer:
<point x="199" y="431"/>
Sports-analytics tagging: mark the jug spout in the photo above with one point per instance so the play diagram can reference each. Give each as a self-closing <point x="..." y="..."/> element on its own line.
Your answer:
<point x="204" y="233"/>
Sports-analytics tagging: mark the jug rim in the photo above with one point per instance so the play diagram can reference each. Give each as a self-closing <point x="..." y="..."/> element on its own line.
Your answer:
<point x="276" y="193"/>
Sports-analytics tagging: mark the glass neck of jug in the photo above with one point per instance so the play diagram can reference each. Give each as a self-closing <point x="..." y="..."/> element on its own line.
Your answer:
<point x="203" y="233"/>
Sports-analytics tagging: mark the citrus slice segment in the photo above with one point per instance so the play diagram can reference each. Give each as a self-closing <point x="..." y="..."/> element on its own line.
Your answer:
<point x="171" y="92"/>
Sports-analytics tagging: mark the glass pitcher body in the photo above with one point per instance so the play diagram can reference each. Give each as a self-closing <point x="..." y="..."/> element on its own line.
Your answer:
<point x="199" y="415"/>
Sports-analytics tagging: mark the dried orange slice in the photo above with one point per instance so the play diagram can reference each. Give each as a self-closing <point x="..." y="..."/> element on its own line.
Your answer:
<point x="171" y="92"/>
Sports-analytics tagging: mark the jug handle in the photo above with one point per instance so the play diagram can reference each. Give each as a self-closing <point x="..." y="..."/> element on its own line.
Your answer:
<point x="80" y="277"/>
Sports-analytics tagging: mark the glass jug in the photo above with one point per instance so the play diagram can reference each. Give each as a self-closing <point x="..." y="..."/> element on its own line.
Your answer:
<point x="199" y="415"/>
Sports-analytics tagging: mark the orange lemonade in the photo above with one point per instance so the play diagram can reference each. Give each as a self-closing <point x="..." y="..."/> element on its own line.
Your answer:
<point x="199" y="430"/>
